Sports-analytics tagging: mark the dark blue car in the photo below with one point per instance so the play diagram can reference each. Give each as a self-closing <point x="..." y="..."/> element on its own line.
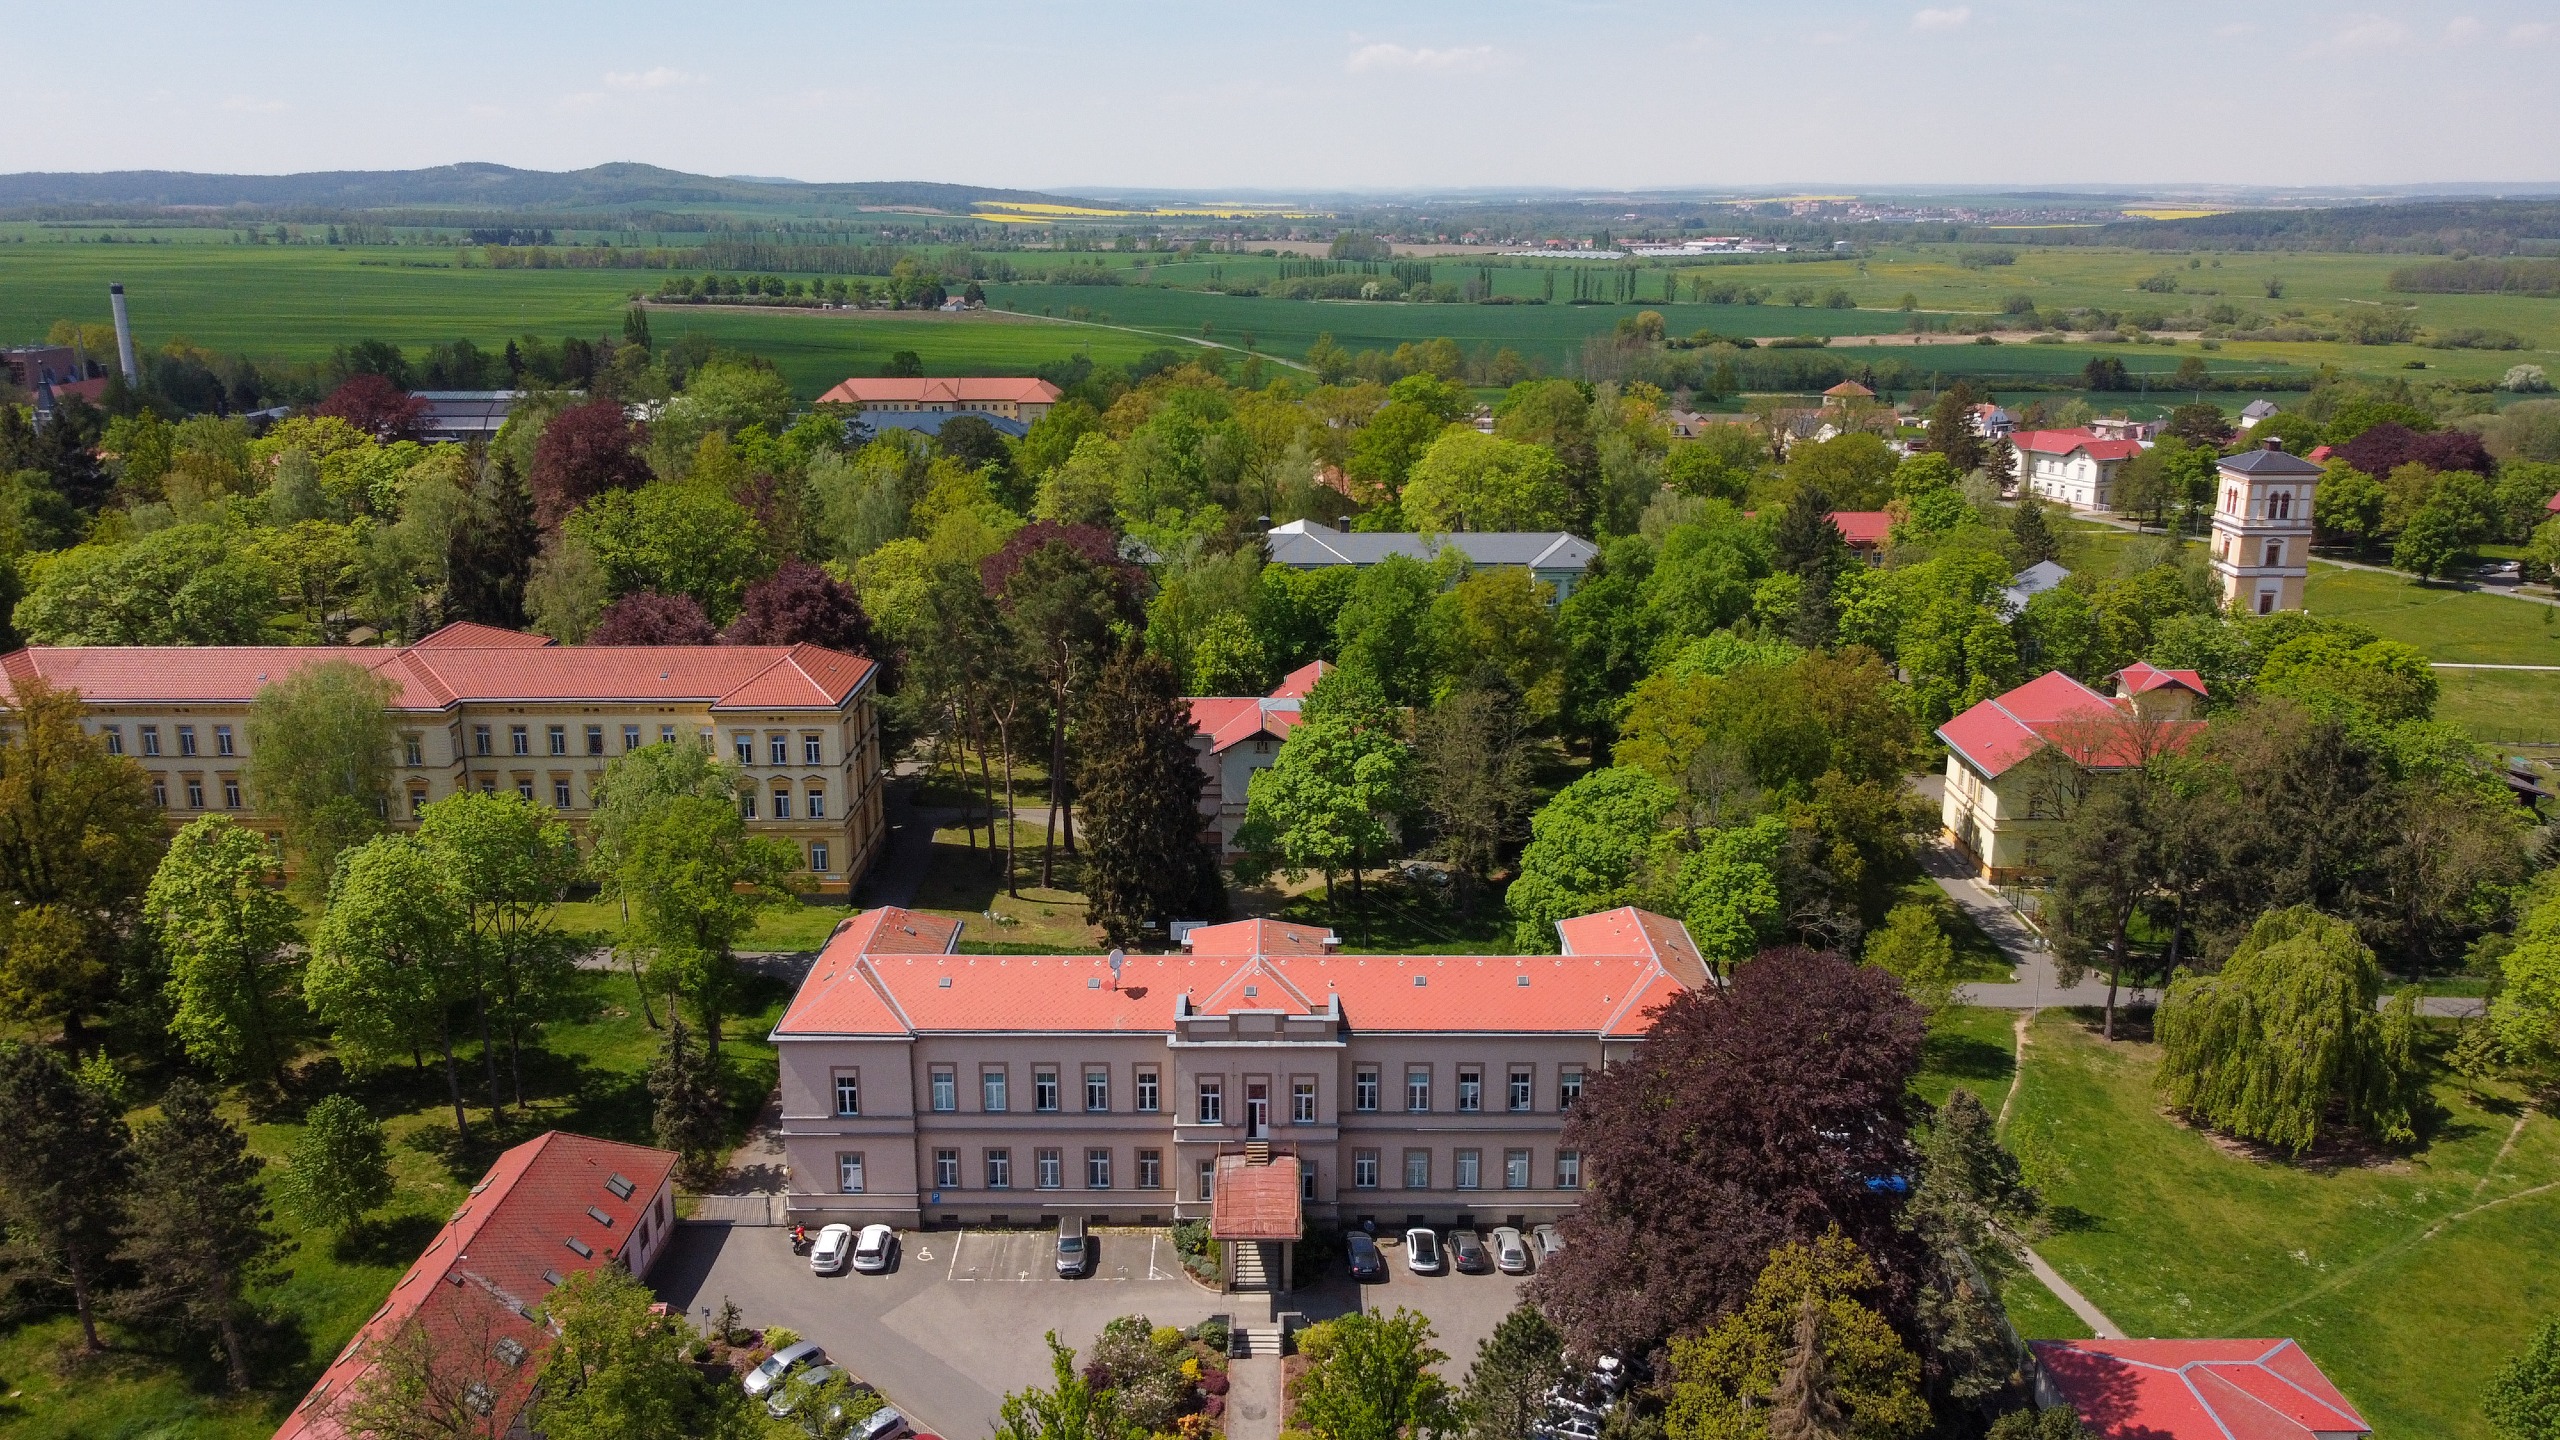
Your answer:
<point x="1366" y="1262"/>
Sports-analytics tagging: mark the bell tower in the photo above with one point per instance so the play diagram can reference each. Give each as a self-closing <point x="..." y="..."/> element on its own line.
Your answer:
<point x="2262" y="529"/>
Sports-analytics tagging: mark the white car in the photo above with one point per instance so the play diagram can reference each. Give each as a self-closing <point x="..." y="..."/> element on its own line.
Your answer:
<point x="1510" y="1255"/>
<point x="882" y="1425"/>
<point x="1422" y="1252"/>
<point x="871" y="1252"/>
<point x="782" y="1362"/>
<point x="828" y="1255"/>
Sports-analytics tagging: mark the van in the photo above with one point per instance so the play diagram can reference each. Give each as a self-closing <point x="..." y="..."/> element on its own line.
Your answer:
<point x="1075" y="1248"/>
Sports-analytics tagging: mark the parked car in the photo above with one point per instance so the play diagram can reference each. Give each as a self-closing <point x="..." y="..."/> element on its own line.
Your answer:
<point x="1366" y="1262"/>
<point x="1422" y="1252"/>
<point x="1563" y="1426"/>
<point x="786" y="1396"/>
<point x="1467" y="1252"/>
<point x="1075" y="1248"/>
<point x="835" y="1243"/>
<point x="1548" y="1239"/>
<point x="1510" y="1253"/>
<point x="871" y="1252"/>
<point x="785" y="1360"/>
<point x="882" y="1424"/>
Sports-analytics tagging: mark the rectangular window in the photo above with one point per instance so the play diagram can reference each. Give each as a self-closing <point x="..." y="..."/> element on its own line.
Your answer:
<point x="1523" y="1087"/>
<point x="560" y="794"/>
<point x="813" y="749"/>
<point x="595" y="739"/>
<point x="195" y="793"/>
<point x="746" y="748"/>
<point x="1417" y="1088"/>
<point x="222" y="733"/>
<point x="114" y="735"/>
<point x="817" y="804"/>
<point x="1470" y="1090"/>
<point x="413" y="752"/>
<point x="747" y="804"/>
<point x="230" y="793"/>
<point x="1302" y="1102"/>
<point x="1568" y="1169"/>
<point x="160" y="791"/>
<point x="667" y="736"/>
<point x="1097" y="1169"/>
<point x="1364" y="1169"/>
<point x="524" y="786"/>
<point x="1364" y="1088"/>
<point x="1568" y="1087"/>
<point x="1044" y="1089"/>
<point x="417" y="801"/>
<point x="1150" y="1169"/>
<point x="991" y="1090"/>
<point x="781" y="804"/>
<point x="1306" y="1180"/>
<point x="1470" y="1169"/>
<point x="150" y="739"/>
<point x="999" y="1169"/>
<point x="1208" y="1179"/>
<point x="557" y="736"/>
<point x="1050" y="1169"/>
<point x="479" y="739"/>
<point x="630" y="737"/>
<point x="519" y="740"/>
<point x="1147" y="1089"/>
<point x="848" y="1092"/>
<point x="946" y="1169"/>
<point x="849" y="1174"/>
<point x="1213" y="1101"/>
<point x="1417" y="1169"/>
<point x="186" y="739"/>
<point x="1097" y="1088"/>
<point x="1515" y="1169"/>
<point x="779" y="747"/>
<point x="818" y="856"/>
<point x="946" y="1088"/>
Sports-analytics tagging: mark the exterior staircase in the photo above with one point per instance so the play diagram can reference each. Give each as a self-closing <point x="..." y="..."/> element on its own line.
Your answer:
<point x="1253" y="1271"/>
<point x="1253" y="1342"/>
<point x="1257" y="1152"/>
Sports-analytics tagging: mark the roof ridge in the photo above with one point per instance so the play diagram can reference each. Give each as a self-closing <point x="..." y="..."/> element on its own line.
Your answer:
<point x="880" y="986"/>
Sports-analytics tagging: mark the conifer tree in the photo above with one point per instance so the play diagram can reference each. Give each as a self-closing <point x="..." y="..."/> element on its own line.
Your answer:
<point x="490" y="557"/>
<point x="1802" y="1406"/>
<point x="62" y="1176"/>
<point x="1140" y="783"/>
<point x="1506" y="1387"/>
<point x="199" y="1234"/>
<point x="690" y="1118"/>
<point x="2034" y="534"/>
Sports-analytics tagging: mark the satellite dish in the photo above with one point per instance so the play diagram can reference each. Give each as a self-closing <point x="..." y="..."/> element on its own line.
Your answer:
<point x="1118" y="958"/>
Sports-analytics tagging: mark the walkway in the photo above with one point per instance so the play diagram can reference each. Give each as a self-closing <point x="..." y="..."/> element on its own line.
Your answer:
<point x="1253" y="1397"/>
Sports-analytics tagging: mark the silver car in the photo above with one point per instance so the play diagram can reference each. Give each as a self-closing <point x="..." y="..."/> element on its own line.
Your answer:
<point x="782" y="1362"/>
<point x="1510" y="1253"/>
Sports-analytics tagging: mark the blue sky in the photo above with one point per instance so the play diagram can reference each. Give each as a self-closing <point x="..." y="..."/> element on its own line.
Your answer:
<point x="1309" y="95"/>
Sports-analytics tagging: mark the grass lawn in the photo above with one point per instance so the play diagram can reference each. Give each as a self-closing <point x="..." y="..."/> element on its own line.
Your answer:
<point x="587" y="1077"/>
<point x="2467" y="626"/>
<point x="1976" y="957"/>
<point x="782" y="927"/>
<point x="2407" y="1280"/>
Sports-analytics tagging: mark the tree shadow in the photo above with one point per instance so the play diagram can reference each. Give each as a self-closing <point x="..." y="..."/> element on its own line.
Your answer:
<point x="1966" y="1057"/>
<point x="2133" y="1023"/>
<point x="384" y="1240"/>
<point x="2071" y="1220"/>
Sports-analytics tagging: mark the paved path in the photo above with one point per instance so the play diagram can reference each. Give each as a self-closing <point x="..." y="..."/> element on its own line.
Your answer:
<point x="1253" y="1398"/>
<point x="2090" y="1315"/>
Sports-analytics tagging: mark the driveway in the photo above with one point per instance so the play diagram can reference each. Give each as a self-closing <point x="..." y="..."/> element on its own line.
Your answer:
<point x="958" y="1321"/>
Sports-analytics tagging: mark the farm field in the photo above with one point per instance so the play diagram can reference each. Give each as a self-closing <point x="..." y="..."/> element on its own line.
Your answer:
<point x="2408" y="1278"/>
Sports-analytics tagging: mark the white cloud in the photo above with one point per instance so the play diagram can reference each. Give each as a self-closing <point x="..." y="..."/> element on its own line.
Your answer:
<point x="656" y="78"/>
<point x="2532" y="33"/>
<point x="2462" y="29"/>
<point x="1951" y="18"/>
<point x="251" y="105"/>
<point x="1470" y="59"/>
<point x="2373" y="32"/>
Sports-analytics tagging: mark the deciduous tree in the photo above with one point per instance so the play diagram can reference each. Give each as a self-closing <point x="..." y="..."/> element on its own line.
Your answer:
<point x="645" y="617"/>
<point x="391" y="959"/>
<point x="616" y="1370"/>
<point x="78" y="839"/>
<point x="696" y="880"/>
<point x="2523" y="1399"/>
<point x="338" y="1170"/>
<point x="1473" y="481"/>
<point x="224" y="933"/>
<point x="1472" y="773"/>
<point x="1072" y="1408"/>
<point x="320" y="761"/>
<point x="507" y="861"/>
<point x="585" y="451"/>
<point x="1329" y="802"/>
<point x="1590" y="848"/>
<point x="798" y="604"/>
<point x="1370" y="1377"/>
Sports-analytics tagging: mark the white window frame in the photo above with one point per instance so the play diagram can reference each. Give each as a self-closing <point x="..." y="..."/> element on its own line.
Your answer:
<point x="848" y="1172"/>
<point x="849" y="1092"/>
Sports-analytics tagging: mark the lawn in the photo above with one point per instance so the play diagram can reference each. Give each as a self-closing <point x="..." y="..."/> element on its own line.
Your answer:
<point x="2407" y="1279"/>
<point x="2469" y="626"/>
<point x="588" y="1077"/>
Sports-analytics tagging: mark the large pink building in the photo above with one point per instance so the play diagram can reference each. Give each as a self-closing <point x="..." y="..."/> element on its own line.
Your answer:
<point x="921" y="1085"/>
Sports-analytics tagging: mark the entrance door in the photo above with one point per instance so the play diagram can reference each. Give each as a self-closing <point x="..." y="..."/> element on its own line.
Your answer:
<point x="1257" y="1110"/>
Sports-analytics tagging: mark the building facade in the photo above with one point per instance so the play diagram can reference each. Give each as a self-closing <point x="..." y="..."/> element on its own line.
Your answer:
<point x="924" y="1086"/>
<point x="2011" y="759"/>
<point x="2075" y="467"/>
<point x="2262" y="528"/>
<point x="1239" y="737"/>
<point x="1010" y="403"/>
<point x="479" y="708"/>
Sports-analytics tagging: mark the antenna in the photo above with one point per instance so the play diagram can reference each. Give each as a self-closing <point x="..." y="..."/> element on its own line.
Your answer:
<point x="1118" y="958"/>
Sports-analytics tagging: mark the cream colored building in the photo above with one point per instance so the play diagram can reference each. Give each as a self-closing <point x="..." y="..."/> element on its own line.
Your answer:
<point x="925" y="1086"/>
<point x="2262" y="528"/>
<point x="480" y="708"/>
<point x="2011" y="759"/>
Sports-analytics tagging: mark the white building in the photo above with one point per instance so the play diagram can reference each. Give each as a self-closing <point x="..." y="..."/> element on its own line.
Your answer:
<point x="2074" y="467"/>
<point x="2262" y="528"/>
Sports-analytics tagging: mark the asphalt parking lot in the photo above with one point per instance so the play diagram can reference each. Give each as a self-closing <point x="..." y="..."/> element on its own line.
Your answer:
<point x="958" y="1319"/>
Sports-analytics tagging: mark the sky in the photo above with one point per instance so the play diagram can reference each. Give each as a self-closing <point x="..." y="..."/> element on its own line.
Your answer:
<point x="1312" y="96"/>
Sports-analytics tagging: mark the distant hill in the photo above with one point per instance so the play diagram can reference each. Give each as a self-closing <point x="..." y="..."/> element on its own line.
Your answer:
<point x="479" y="187"/>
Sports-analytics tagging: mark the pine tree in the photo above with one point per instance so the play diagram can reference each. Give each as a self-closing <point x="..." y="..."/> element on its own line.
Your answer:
<point x="1140" y="783"/>
<point x="691" y="1117"/>
<point x="1808" y="545"/>
<point x="62" y="1175"/>
<point x="2035" y="537"/>
<point x="1803" y="1407"/>
<point x="1952" y="432"/>
<point x="198" y="1233"/>
<point x="491" y="554"/>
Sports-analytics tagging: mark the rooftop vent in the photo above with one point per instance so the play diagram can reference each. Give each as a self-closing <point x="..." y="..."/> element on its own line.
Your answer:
<point x="946" y="982"/>
<point x="1421" y="980"/>
<point x="1091" y="982"/>
<point x="1522" y="982"/>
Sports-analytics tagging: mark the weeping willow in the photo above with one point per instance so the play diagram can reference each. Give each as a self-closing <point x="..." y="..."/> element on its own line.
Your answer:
<point x="2287" y="1035"/>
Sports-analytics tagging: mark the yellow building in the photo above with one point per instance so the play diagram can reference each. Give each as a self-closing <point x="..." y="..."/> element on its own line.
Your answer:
<point x="2262" y="528"/>
<point x="2012" y="758"/>
<point x="480" y="708"/>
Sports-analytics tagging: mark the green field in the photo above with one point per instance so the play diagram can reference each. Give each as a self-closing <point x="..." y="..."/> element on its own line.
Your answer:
<point x="2408" y="1278"/>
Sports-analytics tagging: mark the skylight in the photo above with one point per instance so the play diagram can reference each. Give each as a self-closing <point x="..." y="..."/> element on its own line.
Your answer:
<point x="582" y="1248"/>
<point x="620" y="1185"/>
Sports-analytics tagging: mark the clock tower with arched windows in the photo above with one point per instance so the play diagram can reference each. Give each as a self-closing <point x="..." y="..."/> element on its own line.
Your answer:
<point x="2262" y="529"/>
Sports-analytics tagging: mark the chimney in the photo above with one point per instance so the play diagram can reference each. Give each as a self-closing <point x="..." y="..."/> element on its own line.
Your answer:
<point x="124" y="333"/>
<point x="2272" y="443"/>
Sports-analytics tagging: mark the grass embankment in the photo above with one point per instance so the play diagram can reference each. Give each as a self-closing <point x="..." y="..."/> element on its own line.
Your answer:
<point x="2407" y="1277"/>
<point x="587" y="1076"/>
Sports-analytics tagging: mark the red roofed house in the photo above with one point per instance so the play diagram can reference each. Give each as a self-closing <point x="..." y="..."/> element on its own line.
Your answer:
<point x="551" y="1207"/>
<point x="2075" y="467"/>
<point x="1865" y="530"/>
<point x="920" y="1085"/>
<point x="1020" y="399"/>
<point x="2194" y="1390"/>
<point x="2003" y="786"/>
<point x="1239" y="735"/>
<point x="480" y="708"/>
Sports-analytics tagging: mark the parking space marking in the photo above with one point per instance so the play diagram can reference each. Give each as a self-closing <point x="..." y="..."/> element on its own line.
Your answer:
<point x="955" y="1255"/>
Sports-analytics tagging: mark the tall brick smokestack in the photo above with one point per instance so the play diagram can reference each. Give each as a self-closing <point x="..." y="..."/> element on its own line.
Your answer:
<point x="124" y="334"/>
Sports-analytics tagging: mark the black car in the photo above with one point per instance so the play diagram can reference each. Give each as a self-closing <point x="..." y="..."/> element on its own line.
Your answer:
<point x="1467" y="1252"/>
<point x="1366" y="1262"/>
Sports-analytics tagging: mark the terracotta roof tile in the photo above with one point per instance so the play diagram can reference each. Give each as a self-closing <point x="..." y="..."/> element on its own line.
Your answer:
<point x="1255" y="1202"/>
<point x="2054" y="709"/>
<point x="2197" y="1389"/>
<point x="940" y="389"/>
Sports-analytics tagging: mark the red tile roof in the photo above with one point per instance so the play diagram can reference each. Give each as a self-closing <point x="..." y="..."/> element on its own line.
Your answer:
<point x="2197" y="1390"/>
<point x="472" y="635"/>
<point x="1863" y="529"/>
<point x="1851" y="390"/>
<point x="486" y="1273"/>
<point x="2063" y="442"/>
<point x="1617" y="966"/>
<point x="1229" y="720"/>
<point x="1254" y="1202"/>
<point x="2142" y="677"/>
<point x="2052" y="709"/>
<point x="445" y="669"/>
<point x="942" y="390"/>
<point x="1301" y="682"/>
